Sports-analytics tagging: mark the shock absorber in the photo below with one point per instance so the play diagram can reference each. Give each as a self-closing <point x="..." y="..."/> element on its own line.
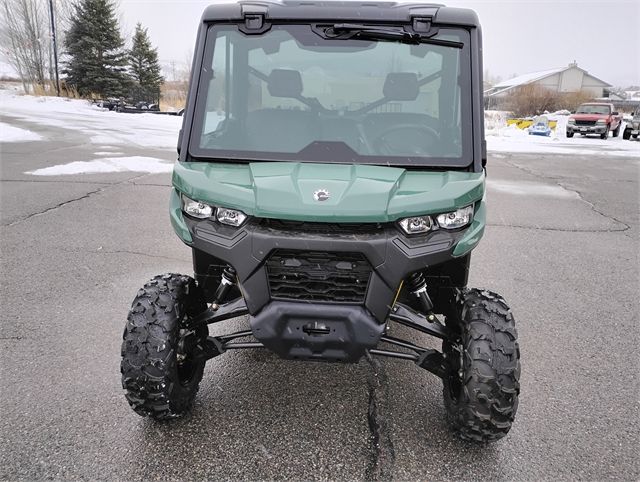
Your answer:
<point x="227" y="281"/>
<point x="418" y="287"/>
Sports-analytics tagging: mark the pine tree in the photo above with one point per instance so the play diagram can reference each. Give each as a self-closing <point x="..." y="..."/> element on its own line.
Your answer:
<point x="144" y="67"/>
<point x="97" y="59"/>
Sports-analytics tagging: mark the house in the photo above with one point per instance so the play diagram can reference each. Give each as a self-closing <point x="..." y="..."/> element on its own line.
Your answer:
<point x="566" y="79"/>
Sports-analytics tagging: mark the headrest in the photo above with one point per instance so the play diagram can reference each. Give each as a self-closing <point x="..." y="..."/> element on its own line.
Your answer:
<point x="401" y="86"/>
<point x="285" y="83"/>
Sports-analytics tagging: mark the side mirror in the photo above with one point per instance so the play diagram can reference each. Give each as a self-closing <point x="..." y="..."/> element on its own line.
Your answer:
<point x="615" y="113"/>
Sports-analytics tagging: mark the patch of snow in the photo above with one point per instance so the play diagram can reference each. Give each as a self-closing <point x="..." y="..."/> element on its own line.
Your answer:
<point x="108" y="153"/>
<point x="503" y="138"/>
<point x="530" y="189"/>
<point x="100" y="126"/>
<point x="106" y="165"/>
<point x="16" y="134"/>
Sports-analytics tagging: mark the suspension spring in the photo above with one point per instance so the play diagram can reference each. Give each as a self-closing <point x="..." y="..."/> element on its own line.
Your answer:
<point x="227" y="281"/>
<point x="418" y="287"/>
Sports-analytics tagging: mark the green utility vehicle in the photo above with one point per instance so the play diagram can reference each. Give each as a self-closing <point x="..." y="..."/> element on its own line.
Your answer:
<point x="330" y="185"/>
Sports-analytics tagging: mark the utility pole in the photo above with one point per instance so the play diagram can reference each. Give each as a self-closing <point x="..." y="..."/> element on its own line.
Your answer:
<point x="55" y="45"/>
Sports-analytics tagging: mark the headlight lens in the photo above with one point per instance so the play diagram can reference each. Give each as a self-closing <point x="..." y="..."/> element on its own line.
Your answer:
<point x="456" y="219"/>
<point x="231" y="217"/>
<point x="200" y="210"/>
<point x="416" y="225"/>
<point x="196" y="209"/>
<point x="571" y="121"/>
<point x="601" y="121"/>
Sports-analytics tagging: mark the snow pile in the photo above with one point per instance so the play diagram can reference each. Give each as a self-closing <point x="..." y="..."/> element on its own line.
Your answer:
<point x="503" y="138"/>
<point x="15" y="134"/>
<point x="107" y="164"/>
<point x="494" y="120"/>
<point x="99" y="125"/>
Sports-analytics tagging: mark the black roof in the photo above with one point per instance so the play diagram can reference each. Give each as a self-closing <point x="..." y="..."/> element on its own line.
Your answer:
<point x="323" y="10"/>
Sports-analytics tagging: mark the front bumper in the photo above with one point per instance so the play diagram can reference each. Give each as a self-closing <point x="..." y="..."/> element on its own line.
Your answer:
<point x="595" y="129"/>
<point x="392" y="255"/>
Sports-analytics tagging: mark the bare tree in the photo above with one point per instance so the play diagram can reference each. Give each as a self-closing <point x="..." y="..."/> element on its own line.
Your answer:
<point x="531" y="100"/>
<point x="25" y="38"/>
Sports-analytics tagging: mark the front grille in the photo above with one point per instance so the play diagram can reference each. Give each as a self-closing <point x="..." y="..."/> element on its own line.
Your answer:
<point x="318" y="276"/>
<point x="585" y="123"/>
<point x="324" y="228"/>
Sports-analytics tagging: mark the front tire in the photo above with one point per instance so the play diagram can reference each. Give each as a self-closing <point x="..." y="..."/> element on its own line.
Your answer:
<point x="605" y="134"/>
<point x="482" y="386"/>
<point x="616" y="131"/>
<point x="569" y="135"/>
<point x="626" y="135"/>
<point x="160" y="373"/>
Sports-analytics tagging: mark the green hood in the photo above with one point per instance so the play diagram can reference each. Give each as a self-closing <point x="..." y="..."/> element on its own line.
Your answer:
<point x="357" y="193"/>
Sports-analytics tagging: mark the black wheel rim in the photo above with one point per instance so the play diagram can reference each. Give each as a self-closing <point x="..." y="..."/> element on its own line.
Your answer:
<point x="186" y="371"/>
<point x="188" y="366"/>
<point x="454" y="382"/>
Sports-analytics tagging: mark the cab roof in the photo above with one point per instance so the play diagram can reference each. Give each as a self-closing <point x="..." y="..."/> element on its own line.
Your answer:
<point x="322" y="10"/>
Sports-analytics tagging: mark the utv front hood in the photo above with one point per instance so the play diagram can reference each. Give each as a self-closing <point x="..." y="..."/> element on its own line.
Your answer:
<point x="356" y="193"/>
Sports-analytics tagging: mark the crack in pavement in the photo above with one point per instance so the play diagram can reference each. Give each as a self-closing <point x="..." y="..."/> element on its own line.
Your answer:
<point x="580" y="196"/>
<point x="53" y="208"/>
<point x="383" y="454"/>
<point x="71" y="201"/>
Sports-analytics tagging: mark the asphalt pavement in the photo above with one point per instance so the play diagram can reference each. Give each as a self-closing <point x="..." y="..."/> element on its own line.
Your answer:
<point x="561" y="246"/>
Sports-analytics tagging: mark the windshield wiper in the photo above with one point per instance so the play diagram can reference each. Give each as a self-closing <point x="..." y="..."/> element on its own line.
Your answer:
<point x="397" y="34"/>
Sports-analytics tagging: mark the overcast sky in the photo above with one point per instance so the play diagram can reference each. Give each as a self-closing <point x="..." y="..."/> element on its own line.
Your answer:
<point x="520" y="36"/>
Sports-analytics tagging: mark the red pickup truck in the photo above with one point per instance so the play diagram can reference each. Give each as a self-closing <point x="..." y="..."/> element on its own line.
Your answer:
<point x="595" y="118"/>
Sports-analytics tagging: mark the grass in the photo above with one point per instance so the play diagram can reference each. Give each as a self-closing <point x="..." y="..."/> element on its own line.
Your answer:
<point x="173" y="96"/>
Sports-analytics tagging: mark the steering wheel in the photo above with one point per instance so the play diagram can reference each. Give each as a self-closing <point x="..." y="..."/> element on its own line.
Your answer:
<point x="428" y="140"/>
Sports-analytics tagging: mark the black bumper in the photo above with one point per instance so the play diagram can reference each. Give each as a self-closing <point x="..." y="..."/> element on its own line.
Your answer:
<point x="392" y="257"/>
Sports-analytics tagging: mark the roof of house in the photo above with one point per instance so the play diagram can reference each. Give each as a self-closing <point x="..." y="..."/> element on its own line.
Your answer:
<point x="528" y="78"/>
<point x="534" y="77"/>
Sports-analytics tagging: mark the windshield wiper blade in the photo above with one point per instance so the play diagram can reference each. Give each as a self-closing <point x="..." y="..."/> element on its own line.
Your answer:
<point x="398" y="34"/>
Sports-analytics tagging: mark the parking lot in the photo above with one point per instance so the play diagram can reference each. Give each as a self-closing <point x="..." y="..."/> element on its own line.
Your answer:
<point x="561" y="246"/>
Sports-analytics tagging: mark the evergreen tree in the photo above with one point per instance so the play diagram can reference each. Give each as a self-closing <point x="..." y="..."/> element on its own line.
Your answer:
<point x="97" y="59"/>
<point x="144" y="68"/>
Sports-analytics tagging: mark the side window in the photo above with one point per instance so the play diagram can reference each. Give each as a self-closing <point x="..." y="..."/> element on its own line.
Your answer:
<point x="218" y="92"/>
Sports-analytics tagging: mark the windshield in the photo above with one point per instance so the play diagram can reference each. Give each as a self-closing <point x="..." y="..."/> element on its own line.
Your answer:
<point x="593" y="109"/>
<point x="292" y="94"/>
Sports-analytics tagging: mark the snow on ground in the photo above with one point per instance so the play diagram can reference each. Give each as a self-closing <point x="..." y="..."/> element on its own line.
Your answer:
<point x="113" y="164"/>
<point x="15" y="134"/>
<point x="108" y="153"/>
<point x="501" y="138"/>
<point x="524" y="188"/>
<point x="112" y="131"/>
<point x="100" y="126"/>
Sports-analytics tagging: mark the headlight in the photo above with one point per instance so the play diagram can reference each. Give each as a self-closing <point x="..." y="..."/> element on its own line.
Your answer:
<point x="196" y="209"/>
<point x="200" y="210"/>
<point x="456" y="219"/>
<point x="571" y="121"/>
<point x="416" y="225"/>
<point x="601" y="121"/>
<point x="230" y="217"/>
